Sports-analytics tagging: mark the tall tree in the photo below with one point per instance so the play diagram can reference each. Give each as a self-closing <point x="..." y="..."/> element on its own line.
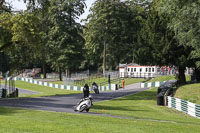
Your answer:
<point x="158" y="46"/>
<point x="110" y="33"/>
<point x="21" y="30"/>
<point x="185" y="22"/>
<point x="65" y="39"/>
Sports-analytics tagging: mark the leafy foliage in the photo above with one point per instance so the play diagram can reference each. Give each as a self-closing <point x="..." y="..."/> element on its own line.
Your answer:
<point x="111" y="32"/>
<point x="185" y="23"/>
<point x="157" y="42"/>
<point x="65" y="39"/>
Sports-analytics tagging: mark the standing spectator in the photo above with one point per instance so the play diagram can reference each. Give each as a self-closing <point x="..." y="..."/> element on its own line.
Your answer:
<point x="123" y="83"/>
<point x="169" y="70"/>
<point x="86" y="91"/>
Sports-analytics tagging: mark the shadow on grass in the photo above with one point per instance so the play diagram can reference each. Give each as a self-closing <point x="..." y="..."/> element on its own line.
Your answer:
<point x="122" y="108"/>
<point x="47" y="95"/>
<point x="8" y="110"/>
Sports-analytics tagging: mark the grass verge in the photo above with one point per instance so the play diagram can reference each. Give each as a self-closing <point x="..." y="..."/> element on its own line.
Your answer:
<point x="165" y="78"/>
<point x="43" y="90"/>
<point x="189" y="92"/>
<point x="128" y="81"/>
<point x="141" y="106"/>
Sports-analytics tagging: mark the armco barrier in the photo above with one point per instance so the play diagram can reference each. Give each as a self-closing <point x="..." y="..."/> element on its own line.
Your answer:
<point x="184" y="106"/>
<point x="68" y="87"/>
<point x="152" y="84"/>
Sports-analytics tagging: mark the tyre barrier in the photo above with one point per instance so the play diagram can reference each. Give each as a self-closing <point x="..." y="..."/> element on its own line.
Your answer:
<point x="165" y="90"/>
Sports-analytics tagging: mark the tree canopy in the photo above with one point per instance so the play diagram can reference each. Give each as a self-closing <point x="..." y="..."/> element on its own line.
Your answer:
<point x="47" y="34"/>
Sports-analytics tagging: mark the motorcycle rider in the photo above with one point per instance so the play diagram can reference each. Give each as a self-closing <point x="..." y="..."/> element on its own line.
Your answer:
<point x="89" y="104"/>
<point x="95" y="87"/>
<point x="86" y="91"/>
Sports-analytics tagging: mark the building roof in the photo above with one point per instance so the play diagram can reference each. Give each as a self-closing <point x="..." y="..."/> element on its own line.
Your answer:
<point x="122" y="65"/>
<point x="133" y="64"/>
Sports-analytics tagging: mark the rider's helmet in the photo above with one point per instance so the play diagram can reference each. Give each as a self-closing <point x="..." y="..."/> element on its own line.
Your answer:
<point x="90" y="97"/>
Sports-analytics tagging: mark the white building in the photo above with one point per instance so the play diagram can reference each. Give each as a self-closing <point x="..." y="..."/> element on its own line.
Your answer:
<point x="137" y="71"/>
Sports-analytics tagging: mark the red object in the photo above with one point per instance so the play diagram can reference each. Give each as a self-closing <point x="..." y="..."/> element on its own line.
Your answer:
<point x="123" y="83"/>
<point x="169" y="69"/>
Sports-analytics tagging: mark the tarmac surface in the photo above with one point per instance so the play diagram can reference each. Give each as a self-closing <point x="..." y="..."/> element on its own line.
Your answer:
<point x="65" y="103"/>
<point x="22" y="91"/>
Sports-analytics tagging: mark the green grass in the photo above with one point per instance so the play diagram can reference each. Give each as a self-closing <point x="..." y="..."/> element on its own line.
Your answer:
<point x="44" y="91"/>
<point x="141" y="106"/>
<point x="128" y="81"/>
<point x="165" y="78"/>
<point x="190" y="92"/>
<point x="88" y="81"/>
<point x="29" y="121"/>
<point x="162" y="78"/>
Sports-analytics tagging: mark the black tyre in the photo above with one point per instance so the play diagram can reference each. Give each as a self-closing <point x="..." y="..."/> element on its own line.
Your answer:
<point x="87" y="110"/>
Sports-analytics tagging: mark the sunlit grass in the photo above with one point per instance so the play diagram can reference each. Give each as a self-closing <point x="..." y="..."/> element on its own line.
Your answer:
<point x="43" y="90"/>
<point x="190" y="92"/>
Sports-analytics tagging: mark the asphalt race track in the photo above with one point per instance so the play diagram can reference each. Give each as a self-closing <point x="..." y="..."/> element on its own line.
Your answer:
<point x="65" y="103"/>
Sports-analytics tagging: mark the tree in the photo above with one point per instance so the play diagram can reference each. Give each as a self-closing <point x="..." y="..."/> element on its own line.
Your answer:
<point x="157" y="45"/>
<point x="65" y="39"/>
<point x="21" y="30"/>
<point x="4" y="6"/>
<point x="185" y="23"/>
<point x="111" y="33"/>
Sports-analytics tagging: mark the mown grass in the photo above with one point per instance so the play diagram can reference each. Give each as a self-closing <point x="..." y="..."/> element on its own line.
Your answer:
<point x="141" y="106"/>
<point x="165" y="78"/>
<point x="99" y="81"/>
<point x="190" y="92"/>
<point x="43" y="90"/>
<point x="14" y="120"/>
<point x="88" y="81"/>
<point x="162" y="78"/>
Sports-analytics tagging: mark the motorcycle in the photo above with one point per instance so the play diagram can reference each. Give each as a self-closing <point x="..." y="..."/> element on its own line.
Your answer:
<point x="84" y="104"/>
<point x="95" y="88"/>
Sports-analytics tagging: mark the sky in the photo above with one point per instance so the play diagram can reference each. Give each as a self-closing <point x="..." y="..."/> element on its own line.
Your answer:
<point x="19" y="5"/>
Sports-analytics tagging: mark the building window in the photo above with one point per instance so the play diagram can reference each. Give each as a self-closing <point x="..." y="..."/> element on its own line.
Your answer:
<point x="152" y="69"/>
<point x="131" y="69"/>
<point x="149" y="69"/>
<point x="128" y="69"/>
<point x="140" y="69"/>
<point x="134" y="69"/>
<point x="146" y="69"/>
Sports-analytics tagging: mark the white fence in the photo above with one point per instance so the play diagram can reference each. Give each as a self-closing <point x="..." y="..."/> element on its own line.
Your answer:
<point x="184" y="106"/>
